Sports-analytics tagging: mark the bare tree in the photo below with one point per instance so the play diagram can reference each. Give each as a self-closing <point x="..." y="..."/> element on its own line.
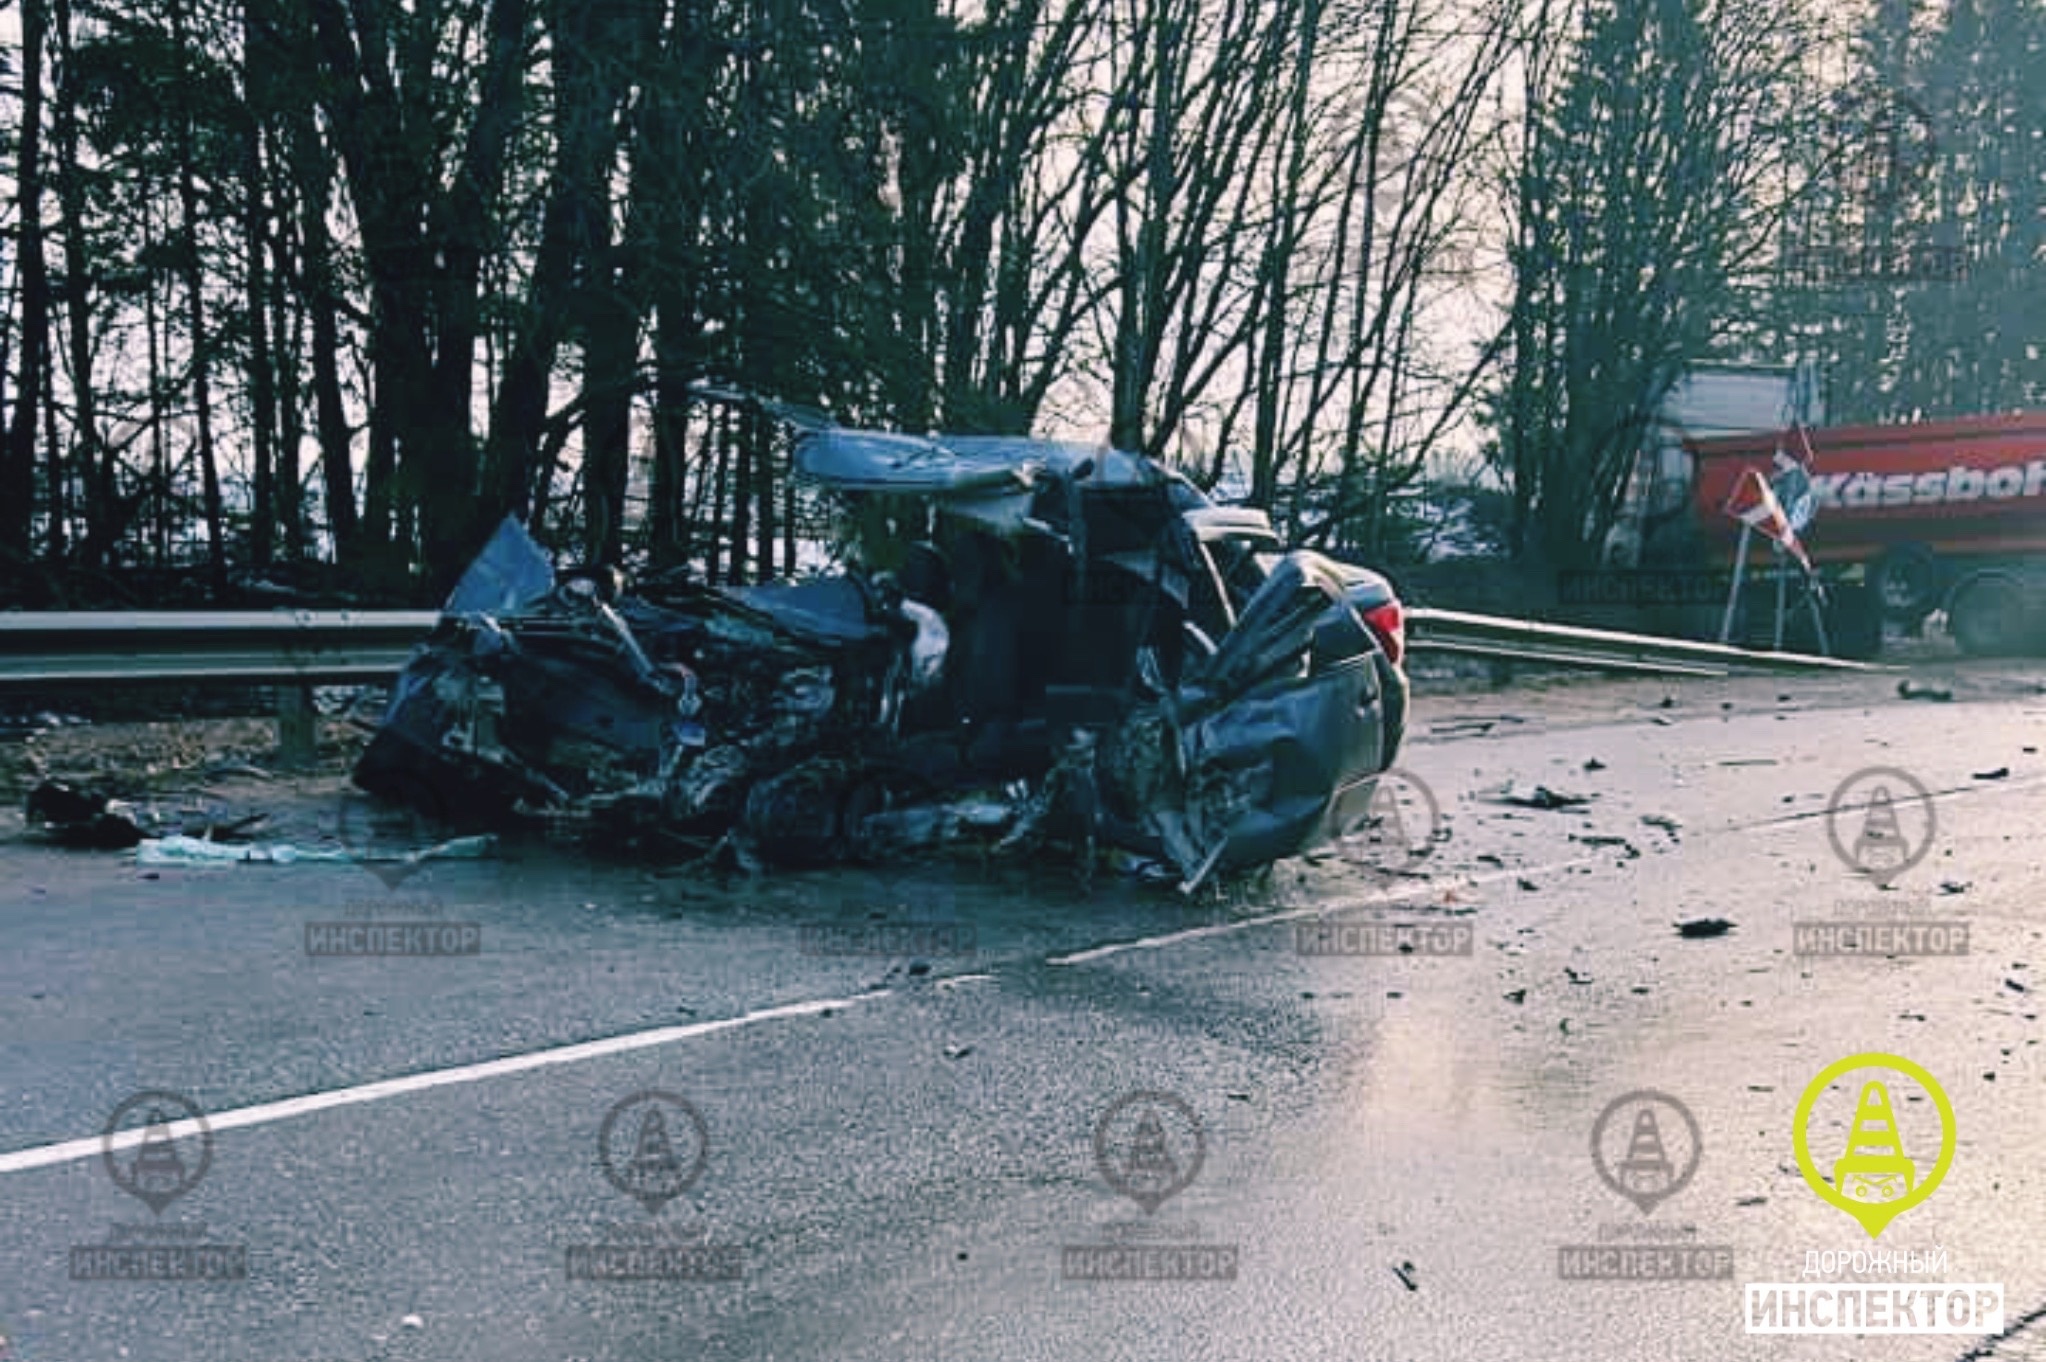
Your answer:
<point x="1645" y="184"/>
<point x="17" y="491"/>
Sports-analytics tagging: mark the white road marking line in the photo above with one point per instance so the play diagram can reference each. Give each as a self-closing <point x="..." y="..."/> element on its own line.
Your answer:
<point x="1980" y="787"/>
<point x="70" y="1151"/>
<point x="1390" y="894"/>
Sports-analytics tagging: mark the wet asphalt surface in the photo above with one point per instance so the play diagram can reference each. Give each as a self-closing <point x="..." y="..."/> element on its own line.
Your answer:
<point x="1394" y="1148"/>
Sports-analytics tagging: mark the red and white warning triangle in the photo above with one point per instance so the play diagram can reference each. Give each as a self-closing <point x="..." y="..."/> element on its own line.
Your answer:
<point x="1754" y="504"/>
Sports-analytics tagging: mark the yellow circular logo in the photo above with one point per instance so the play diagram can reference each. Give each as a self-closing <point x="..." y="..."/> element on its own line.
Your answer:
<point x="1875" y="1179"/>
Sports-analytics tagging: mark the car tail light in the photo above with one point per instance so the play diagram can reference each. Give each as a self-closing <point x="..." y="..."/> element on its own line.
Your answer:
<point x="1389" y="623"/>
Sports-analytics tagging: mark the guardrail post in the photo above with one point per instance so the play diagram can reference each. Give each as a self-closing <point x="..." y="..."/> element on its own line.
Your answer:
<point x="296" y="718"/>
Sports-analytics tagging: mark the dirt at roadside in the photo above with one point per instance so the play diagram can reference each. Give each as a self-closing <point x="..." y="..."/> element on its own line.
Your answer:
<point x="192" y="772"/>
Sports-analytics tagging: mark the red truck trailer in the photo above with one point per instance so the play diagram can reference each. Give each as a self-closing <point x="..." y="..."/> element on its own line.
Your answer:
<point x="1939" y="514"/>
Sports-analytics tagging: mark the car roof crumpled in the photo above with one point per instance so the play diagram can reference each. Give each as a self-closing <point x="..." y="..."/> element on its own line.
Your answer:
<point x="986" y="478"/>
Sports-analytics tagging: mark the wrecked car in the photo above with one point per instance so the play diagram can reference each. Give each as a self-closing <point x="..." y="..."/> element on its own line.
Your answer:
<point x="1028" y="640"/>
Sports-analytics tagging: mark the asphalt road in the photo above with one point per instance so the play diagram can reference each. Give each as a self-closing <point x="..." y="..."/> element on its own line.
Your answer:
<point x="897" y="1151"/>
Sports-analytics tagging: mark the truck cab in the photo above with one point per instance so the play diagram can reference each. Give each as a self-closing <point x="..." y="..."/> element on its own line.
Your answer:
<point x="1657" y="525"/>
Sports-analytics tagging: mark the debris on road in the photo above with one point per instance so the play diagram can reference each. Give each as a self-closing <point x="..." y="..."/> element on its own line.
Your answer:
<point x="1702" y="928"/>
<point x="232" y="829"/>
<point x="1471" y="727"/>
<point x="178" y="849"/>
<point x="1406" y="1272"/>
<point x="237" y="769"/>
<point x="1999" y="773"/>
<point x="1940" y="694"/>
<point x="1540" y="797"/>
<point x="83" y="818"/>
<point x="1664" y="822"/>
<point x="1598" y="840"/>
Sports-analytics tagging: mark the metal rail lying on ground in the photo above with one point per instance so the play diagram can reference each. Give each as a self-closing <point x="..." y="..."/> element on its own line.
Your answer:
<point x="1453" y="631"/>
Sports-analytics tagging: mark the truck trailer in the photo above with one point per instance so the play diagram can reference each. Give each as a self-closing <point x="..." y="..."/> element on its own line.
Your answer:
<point x="1937" y="515"/>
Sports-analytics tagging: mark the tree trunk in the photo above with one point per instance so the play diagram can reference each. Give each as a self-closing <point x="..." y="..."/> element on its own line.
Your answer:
<point x="454" y="523"/>
<point x="95" y="463"/>
<point x="17" y="492"/>
<point x="202" y="361"/>
<point x="258" y="63"/>
<point x="159" y="445"/>
<point x="610" y="352"/>
<point x="288" y="326"/>
<point x="574" y="228"/>
<point x="665" y="182"/>
<point x="312" y="168"/>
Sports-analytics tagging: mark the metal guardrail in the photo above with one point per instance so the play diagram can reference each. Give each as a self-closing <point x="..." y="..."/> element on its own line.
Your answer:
<point x="308" y="646"/>
<point x="1453" y="631"/>
<point x="254" y="646"/>
<point x="295" y="649"/>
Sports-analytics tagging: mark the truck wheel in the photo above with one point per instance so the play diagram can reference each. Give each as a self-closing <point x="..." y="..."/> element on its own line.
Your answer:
<point x="1989" y="616"/>
<point x="1906" y="580"/>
